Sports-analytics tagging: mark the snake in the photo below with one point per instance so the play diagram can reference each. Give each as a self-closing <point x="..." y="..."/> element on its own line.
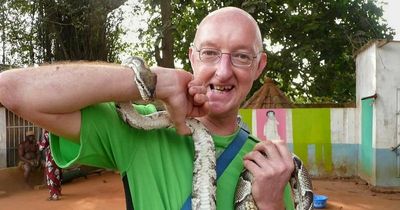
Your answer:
<point x="204" y="165"/>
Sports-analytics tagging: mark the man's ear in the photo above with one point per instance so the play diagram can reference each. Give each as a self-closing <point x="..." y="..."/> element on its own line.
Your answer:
<point x="261" y="65"/>
<point x="190" y="55"/>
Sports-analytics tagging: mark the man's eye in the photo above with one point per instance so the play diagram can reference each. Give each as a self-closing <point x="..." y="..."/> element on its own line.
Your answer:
<point x="241" y="56"/>
<point x="209" y="53"/>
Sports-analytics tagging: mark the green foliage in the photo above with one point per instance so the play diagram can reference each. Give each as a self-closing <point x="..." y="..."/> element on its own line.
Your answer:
<point x="50" y="30"/>
<point x="310" y="44"/>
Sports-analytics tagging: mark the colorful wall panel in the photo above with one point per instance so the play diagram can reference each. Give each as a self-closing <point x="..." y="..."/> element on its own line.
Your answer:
<point x="366" y="150"/>
<point x="311" y="131"/>
<point x="247" y="116"/>
<point x="332" y="142"/>
<point x="308" y="134"/>
<point x="271" y="124"/>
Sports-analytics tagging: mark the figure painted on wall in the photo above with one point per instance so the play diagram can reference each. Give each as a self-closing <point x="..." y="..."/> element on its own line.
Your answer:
<point x="271" y="127"/>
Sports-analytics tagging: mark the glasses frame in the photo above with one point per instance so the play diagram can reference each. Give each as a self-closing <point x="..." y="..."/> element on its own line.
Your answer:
<point x="230" y="56"/>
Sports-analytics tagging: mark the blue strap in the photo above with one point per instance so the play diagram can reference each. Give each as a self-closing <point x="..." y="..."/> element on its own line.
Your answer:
<point x="224" y="159"/>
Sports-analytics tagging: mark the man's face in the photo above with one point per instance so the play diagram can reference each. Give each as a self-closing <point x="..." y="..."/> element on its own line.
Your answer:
<point x="227" y="85"/>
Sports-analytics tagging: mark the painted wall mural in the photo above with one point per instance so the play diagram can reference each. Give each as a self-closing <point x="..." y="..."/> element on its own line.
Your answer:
<point x="307" y="131"/>
<point x="312" y="136"/>
<point x="332" y="142"/>
<point x="271" y="124"/>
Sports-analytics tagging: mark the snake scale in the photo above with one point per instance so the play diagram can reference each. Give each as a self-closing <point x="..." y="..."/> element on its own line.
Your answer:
<point x="204" y="173"/>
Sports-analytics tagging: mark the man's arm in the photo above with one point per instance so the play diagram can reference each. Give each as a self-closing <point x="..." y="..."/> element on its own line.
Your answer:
<point x="38" y="154"/>
<point x="21" y="154"/>
<point x="52" y="96"/>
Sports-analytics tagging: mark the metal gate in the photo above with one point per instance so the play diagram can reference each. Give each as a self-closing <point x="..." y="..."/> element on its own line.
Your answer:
<point x="397" y="148"/>
<point x="15" y="133"/>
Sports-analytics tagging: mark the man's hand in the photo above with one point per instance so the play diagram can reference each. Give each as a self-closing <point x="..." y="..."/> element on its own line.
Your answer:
<point x="183" y="96"/>
<point x="271" y="164"/>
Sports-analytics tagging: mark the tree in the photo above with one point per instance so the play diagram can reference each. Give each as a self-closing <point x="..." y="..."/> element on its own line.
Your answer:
<point x="49" y="30"/>
<point x="310" y="44"/>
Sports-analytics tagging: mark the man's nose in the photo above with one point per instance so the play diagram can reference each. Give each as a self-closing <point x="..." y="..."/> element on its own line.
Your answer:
<point x="224" y="69"/>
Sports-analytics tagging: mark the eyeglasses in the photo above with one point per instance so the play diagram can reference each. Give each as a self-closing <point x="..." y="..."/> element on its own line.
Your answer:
<point x="238" y="59"/>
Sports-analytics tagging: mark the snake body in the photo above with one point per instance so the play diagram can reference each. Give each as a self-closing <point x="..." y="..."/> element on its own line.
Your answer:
<point x="204" y="169"/>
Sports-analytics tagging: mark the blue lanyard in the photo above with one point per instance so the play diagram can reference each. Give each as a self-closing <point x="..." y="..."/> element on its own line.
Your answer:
<point x="224" y="159"/>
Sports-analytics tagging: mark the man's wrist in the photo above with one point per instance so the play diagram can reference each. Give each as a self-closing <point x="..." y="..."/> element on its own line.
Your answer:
<point x="272" y="206"/>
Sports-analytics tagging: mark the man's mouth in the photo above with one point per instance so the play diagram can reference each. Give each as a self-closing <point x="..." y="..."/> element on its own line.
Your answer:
<point x="221" y="88"/>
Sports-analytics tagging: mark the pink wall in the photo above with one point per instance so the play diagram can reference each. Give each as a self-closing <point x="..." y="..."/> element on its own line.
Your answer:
<point x="262" y="119"/>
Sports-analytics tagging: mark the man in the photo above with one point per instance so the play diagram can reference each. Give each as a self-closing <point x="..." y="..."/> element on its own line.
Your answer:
<point x="156" y="165"/>
<point x="29" y="154"/>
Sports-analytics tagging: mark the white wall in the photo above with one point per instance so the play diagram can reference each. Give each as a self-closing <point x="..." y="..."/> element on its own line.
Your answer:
<point x="344" y="126"/>
<point x="365" y="72"/>
<point x="387" y="83"/>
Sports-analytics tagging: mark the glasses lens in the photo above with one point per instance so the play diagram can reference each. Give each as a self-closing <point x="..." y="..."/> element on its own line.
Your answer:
<point x="241" y="59"/>
<point x="238" y="59"/>
<point x="209" y="55"/>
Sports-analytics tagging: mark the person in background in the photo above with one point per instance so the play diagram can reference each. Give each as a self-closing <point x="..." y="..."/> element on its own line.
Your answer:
<point x="29" y="155"/>
<point x="51" y="169"/>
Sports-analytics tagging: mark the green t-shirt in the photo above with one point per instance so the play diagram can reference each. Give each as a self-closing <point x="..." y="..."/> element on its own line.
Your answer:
<point x="156" y="165"/>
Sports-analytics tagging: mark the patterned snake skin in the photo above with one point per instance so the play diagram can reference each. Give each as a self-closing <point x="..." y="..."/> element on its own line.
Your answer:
<point x="204" y="173"/>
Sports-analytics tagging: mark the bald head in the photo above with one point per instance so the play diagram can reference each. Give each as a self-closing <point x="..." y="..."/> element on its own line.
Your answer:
<point x="232" y="16"/>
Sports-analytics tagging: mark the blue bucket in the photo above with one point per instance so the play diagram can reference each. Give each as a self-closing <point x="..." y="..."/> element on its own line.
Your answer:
<point x="320" y="201"/>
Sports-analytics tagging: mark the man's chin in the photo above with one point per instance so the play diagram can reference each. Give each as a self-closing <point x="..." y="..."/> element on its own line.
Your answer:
<point x="218" y="108"/>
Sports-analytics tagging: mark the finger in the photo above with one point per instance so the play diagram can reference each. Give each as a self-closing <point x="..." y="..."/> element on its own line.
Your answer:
<point x="283" y="150"/>
<point x="180" y="126"/>
<point x="200" y="79"/>
<point x="278" y="154"/>
<point x="263" y="147"/>
<point x="251" y="166"/>
<point x="178" y="119"/>
<point x="256" y="169"/>
<point x="199" y="110"/>
<point x="182" y="129"/>
<point x="198" y="89"/>
<point x="269" y="148"/>
<point x="199" y="99"/>
<point x="195" y="82"/>
<point x="258" y="158"/>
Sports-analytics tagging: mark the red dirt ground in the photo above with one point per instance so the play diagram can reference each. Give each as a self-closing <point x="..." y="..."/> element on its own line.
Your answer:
<point x="105" y="192"/>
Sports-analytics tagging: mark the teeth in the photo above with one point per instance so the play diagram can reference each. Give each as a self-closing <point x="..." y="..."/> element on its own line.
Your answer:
<point x="221" y="88"/>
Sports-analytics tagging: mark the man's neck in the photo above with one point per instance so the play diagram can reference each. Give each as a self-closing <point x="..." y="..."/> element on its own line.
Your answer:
<point x="220" y="126"/>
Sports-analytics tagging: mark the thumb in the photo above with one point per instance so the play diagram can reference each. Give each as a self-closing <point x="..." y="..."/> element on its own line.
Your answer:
<point x="182" y="129"/>
<point x="179" y="121"/>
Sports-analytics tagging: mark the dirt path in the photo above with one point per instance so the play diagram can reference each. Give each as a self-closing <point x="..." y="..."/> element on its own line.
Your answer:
<point x="105" y="192"/>
<point x="97" y="192"/>
<point x="355" y="195"/>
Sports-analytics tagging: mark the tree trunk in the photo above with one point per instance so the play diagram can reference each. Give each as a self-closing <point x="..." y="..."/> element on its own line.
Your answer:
<point x="3" y="37"/>
<point x="76" y="30"/>
<point x="166" y="56"/>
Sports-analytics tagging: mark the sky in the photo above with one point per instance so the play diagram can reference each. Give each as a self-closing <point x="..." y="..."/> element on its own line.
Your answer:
<point x="392" y="16"/>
